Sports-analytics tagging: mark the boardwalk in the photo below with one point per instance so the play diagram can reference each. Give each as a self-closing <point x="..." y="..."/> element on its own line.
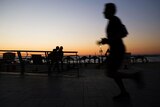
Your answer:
<point x="91" y="89"/>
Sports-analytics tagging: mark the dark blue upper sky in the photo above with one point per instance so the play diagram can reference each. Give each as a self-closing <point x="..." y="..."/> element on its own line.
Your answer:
<point x="76" y="24"/>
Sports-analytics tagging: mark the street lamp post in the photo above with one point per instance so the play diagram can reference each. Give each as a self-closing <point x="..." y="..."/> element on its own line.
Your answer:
<point x="101" y="52"/>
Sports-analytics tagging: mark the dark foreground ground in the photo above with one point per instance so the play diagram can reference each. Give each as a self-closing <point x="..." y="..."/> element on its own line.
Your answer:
<point x="91" y="89"/>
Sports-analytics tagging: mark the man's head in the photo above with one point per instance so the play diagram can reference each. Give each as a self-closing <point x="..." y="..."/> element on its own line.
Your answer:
<point x="109" y="10"/>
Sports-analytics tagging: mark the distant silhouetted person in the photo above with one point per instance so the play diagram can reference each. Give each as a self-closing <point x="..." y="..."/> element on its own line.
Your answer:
<point x="54" y="60"/>
<point x="60" y="57"/>
<point x="115" y="32"/>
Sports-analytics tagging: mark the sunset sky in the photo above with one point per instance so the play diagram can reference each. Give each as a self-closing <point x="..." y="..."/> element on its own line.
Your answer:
<point x="77" y="25"/>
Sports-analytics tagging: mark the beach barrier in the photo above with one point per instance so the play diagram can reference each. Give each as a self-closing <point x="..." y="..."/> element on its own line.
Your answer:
<point x="24" y="60"/>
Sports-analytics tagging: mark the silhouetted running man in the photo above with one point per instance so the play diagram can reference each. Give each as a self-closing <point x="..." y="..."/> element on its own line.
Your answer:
<point x="117" y="50"/>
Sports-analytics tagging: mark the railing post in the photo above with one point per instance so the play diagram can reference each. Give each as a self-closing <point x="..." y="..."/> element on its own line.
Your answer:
<point x="77" y="63"/>
<point x="21" y="62"/>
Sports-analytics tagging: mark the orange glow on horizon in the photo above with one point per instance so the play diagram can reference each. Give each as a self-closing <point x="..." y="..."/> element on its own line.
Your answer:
<point x="94" y="50"/>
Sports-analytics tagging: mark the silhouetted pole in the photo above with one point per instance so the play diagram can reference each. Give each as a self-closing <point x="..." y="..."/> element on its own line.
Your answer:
<point x="21" y="62"/>
<point x="101" y="52"/>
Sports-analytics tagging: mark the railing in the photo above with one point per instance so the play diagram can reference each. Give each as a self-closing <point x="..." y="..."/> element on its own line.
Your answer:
<point x="21" y="57"/>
